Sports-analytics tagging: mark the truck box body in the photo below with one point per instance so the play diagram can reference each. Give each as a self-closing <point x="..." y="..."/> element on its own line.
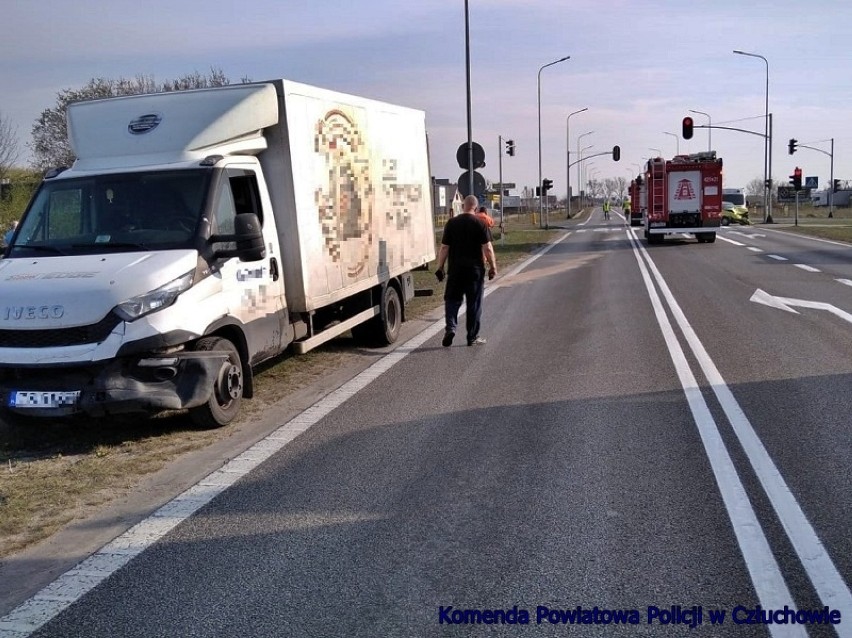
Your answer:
<point x="202" y="232"/>
<point x="684" y="196"/>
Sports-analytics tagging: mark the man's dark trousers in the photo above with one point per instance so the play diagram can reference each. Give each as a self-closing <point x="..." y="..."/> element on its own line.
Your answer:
<point x="465" y="286"/>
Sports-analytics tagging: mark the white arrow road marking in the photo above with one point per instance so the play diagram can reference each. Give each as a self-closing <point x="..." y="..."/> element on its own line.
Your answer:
<point x="786" y="303"/>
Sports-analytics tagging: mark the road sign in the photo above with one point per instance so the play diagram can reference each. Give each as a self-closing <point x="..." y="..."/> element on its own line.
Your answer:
<point x="505" y="186"/>
<point x="787" y="194"/>
<point x="812" y="182"/>
<point x="478" y="184"/>
<point x="478" y="155"/>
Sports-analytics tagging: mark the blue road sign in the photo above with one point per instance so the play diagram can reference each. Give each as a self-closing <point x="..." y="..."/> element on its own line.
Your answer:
<point x="811" y="182"/>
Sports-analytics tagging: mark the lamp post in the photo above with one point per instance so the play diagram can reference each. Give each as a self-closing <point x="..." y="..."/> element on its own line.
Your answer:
<point x="659" y="152"/>
<point x="540" y="196"/>
<point x="677" y="142"/>
<point x="568" y="162"/>
<point x="585" y="168"/>
<point x="709" y="128"/>
<point x="579" y="157"/>
<point x="767" y="144"/>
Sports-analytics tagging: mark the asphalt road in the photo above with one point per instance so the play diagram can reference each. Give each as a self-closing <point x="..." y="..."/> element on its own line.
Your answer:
<point x="659" y="431"/>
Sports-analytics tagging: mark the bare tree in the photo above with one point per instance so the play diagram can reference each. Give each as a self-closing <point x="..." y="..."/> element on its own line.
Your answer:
<point x="50" y="144"/>
<point x="8" y="146"/>
<point x="754" y="187"/>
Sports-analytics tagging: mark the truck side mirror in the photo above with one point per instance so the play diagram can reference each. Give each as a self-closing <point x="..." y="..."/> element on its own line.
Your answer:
<point x="248" y="237"/>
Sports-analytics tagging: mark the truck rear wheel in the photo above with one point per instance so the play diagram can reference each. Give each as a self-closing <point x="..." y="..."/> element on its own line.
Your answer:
<point x="383" y="329"/>
<point x="224" y="402"/>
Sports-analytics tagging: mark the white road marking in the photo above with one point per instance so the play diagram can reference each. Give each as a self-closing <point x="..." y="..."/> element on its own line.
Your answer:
<point x="755" y="250"/>
<point x="765" y="574"/>
<point x="778" y="257"/>
<point x="845" y="282"/>
<point x="787" y="303"/>
<point x="730" y="241"/>
<point x="824" y="576"/>
<point x="807" y="268"/>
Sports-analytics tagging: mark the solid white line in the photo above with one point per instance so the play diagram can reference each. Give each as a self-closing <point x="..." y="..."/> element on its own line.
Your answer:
<point x="761" y="564"/>
<point x="803" y="236"/>
<point x="778" y="257"/>
<point x="827" y="581"/>
<point x="807" y="268"/>
<point x="73" y="584"/>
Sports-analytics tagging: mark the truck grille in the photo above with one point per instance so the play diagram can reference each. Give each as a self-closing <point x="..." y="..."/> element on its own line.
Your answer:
<point x="78" y="335"/>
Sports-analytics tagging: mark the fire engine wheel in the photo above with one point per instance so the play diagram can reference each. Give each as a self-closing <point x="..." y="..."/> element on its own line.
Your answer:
<point x="224" y="402"/>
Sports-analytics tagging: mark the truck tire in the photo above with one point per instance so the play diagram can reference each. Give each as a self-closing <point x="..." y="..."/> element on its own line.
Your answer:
<point x="710" y="238"/>
<point x="383" y="329"/>
<point x="227" y="395"/>
<point x="389" y="321"/>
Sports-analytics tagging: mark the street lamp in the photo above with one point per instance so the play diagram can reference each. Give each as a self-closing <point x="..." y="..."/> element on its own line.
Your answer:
<point x="677" y="141"/>
<point x="709" y="128"/>
<point x="568" y="162"/>
<point x="579" y="157"/>
<point x="767" y="162"/>
<point x="580" y="165"/>
<point x="539" y="133"/>
<point x="659" y="152"/>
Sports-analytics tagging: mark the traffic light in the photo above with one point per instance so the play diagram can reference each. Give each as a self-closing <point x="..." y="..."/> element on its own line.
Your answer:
<point x="687" y="128"/>
<point x="616" y="153"/>
<point x="510" y="148"/>
<point x="796" y="179"/>
<point x="538" y="191"/>
<point x="836" y="186"/>
<point x="791" y="146"/>
<point x="546" y="185"/>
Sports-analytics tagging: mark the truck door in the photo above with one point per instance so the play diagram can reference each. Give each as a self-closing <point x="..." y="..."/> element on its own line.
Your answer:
<point x="254" y="291"/>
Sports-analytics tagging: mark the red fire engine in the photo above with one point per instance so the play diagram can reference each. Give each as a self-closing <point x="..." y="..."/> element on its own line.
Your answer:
<point x="684" y="196"/>
<point x="638" y="201"/>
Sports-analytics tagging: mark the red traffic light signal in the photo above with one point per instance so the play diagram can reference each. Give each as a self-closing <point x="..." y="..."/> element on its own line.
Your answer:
<point x="796" y="179"/>
<point x="687" y="128"/>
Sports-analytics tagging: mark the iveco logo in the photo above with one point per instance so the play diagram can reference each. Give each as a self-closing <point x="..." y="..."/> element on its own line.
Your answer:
<point x="14" y="313"/>
<point x="144" y="123"/>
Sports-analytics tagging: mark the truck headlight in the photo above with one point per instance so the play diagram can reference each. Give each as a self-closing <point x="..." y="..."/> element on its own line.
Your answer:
<point x="162" y="297"/>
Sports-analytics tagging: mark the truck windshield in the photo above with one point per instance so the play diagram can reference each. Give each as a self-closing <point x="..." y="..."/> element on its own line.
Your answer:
<point x="154" y="210"/>
<point x="737" y="199"/>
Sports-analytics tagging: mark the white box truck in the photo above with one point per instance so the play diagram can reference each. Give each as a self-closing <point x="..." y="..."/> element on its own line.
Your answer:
<point x="200" y="233"/>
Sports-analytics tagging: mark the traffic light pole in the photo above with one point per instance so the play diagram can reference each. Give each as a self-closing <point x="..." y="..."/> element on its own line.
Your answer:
<point x="831" y="180"/>
<point x="500" y="164"/>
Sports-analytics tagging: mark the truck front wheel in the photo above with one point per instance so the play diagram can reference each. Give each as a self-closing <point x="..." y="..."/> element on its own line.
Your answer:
<point x="224" y="402"/>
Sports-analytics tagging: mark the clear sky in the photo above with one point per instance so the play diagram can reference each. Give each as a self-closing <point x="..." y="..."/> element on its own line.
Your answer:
<point x="639" y="66"/>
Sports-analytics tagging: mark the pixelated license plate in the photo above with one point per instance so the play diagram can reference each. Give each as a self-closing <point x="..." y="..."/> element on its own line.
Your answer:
<point x="29" y="399"/>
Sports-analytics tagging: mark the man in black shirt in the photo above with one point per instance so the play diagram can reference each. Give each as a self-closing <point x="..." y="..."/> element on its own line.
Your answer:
<point x="467" y="244"/>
